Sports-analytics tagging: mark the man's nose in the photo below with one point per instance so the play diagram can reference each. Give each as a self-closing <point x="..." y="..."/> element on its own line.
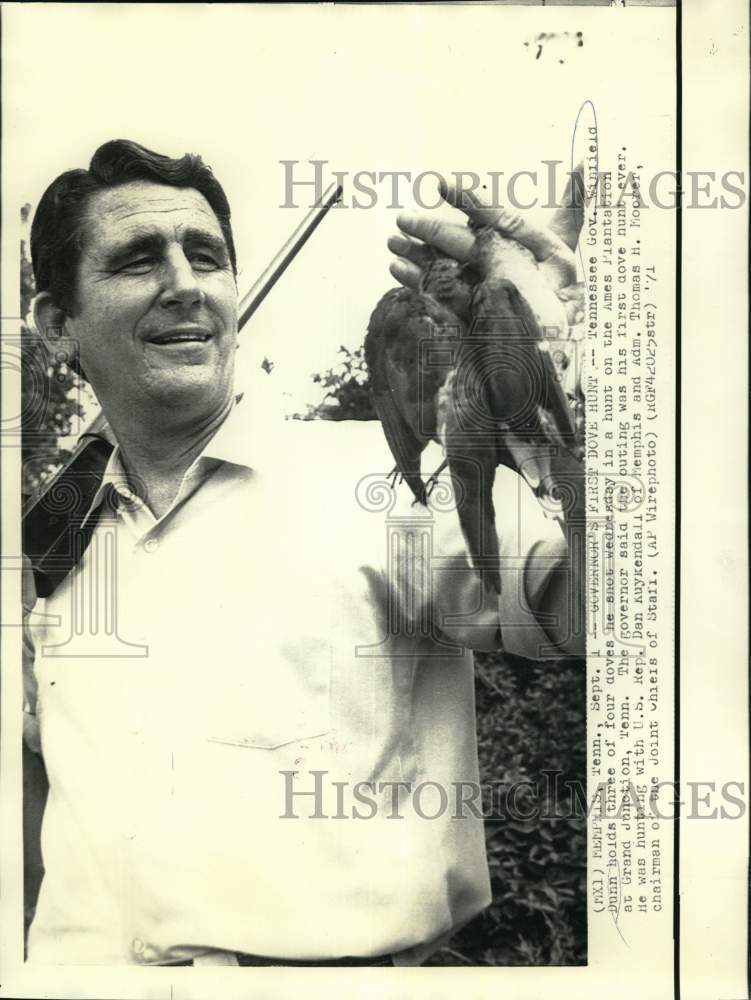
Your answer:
<point x="181" y="285"/>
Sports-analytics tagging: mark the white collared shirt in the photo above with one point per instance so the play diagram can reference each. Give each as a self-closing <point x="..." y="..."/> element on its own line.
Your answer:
<point x="224" y="681"/>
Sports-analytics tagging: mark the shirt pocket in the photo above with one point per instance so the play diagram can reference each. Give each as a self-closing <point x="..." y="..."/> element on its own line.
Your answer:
<point x="280" y="694"/>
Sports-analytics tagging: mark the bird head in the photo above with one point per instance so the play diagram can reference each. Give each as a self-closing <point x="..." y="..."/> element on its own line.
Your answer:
<point x="446" y="280"/>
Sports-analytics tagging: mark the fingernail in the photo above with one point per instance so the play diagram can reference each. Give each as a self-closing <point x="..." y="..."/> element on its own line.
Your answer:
<point x="407" y="220"/>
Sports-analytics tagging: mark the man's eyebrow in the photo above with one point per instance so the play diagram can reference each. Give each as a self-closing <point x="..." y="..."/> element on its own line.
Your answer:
<point x="144" y="242"/>
<point x="203" y="237"/>
<point x="149" y="242"/>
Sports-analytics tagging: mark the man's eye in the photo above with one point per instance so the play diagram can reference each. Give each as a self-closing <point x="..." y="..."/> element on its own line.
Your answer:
<point x="141" y="265"/>
<point x="205" y="262"/>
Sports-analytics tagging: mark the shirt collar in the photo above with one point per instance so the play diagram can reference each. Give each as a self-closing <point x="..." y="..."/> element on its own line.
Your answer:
<point x="114" y="476"/>
<point x="231" y="443"/>
<point x="246" y="438"/>
<point x="249" y="436"/>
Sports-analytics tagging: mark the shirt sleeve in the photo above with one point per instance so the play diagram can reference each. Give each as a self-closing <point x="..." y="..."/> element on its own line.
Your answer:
<point x="433" y="578"/>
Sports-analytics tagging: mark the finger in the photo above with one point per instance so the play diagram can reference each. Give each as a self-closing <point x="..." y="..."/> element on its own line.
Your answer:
<point x="418" y="253"/>
<point x="541" y="241"/>
<point x="572" y="292"/>
<point x="405" y="272"/>
<point x="448" y="237"/>
<point x="568" y="220"/>
<point x="573" y="301"/>
<point x="469" y="202"/>
<point x="574" y="312"/>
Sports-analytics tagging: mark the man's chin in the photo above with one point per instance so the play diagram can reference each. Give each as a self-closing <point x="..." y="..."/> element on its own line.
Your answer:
<point x="189" y="386"/>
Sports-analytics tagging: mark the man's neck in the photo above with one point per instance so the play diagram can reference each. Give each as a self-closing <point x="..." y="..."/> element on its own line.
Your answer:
<point x="158" y="456"/>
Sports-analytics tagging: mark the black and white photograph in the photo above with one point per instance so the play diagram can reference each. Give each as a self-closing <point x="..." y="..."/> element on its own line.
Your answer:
<point x="342" y="468"/>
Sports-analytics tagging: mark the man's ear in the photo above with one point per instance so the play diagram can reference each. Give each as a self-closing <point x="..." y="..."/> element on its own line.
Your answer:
<point x="53" y="325"/>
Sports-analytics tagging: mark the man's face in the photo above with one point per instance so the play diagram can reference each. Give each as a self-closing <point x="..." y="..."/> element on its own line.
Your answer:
<point x="156" y="301"/>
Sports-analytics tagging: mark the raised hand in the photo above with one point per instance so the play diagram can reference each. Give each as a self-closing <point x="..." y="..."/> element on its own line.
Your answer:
<point x="492" y="294"/>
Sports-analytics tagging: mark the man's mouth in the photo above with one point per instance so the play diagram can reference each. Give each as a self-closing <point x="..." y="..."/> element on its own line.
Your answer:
<point x="182" y="336"/>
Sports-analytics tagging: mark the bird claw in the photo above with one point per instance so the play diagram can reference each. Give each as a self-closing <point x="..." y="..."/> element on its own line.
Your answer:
<point x="435" y="478"/>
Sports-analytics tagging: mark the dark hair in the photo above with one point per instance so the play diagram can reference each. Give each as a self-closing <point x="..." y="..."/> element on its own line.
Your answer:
<point x="57" y="229"/>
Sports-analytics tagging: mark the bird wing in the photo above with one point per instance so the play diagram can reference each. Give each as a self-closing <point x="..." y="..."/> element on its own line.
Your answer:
<point x="535" y="423"/>
<point x="514" y="287"/>
<point x="472" y="460"/>
<point x="404" y="392"/>
<point x="553" y="409"/>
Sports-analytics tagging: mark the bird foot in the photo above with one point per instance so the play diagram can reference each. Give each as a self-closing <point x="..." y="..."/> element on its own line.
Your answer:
<point x="435" y="478"/>
<point x="431" y="484"/>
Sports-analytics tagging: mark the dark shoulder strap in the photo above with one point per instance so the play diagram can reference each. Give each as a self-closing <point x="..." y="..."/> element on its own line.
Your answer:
<point x="53" y="537"/>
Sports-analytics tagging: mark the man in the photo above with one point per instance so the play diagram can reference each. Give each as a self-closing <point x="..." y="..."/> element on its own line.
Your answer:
<point x="242" y="683"/>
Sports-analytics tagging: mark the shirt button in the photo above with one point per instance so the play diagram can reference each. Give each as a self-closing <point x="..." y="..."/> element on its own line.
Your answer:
<point x="139" y="946"/>
<point x="151" y="545"/>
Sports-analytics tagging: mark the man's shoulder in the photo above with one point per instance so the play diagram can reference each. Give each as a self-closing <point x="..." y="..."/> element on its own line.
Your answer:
<point x="333" y="434"/>
<point x="339" y="448"/>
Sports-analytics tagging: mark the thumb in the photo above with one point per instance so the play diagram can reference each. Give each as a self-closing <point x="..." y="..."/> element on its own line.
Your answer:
<point x="542" y="241"/>
<point x="555" y="257"/>
<point x="568" y="219"/>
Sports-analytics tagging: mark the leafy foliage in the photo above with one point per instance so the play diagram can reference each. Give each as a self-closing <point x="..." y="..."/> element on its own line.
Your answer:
<point x="530" y="720"/>
<point x="347" y="390"/>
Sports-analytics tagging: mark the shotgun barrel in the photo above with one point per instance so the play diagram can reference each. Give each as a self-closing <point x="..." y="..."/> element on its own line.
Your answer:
<point x="255" y="296"/>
